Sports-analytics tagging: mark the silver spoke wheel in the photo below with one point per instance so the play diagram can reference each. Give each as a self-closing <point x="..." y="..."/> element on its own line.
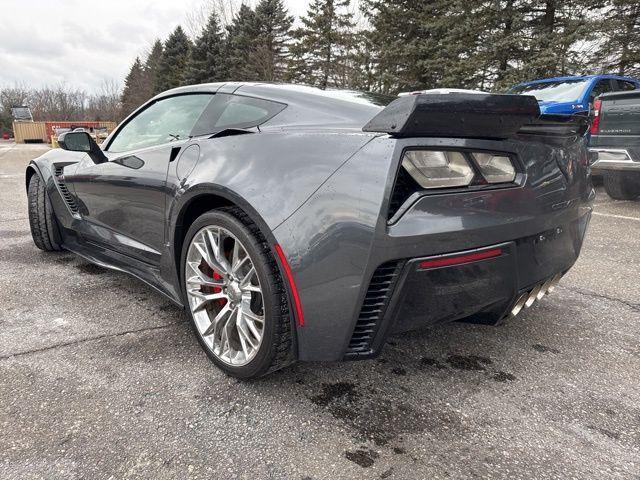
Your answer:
<point x="224" y="295"/>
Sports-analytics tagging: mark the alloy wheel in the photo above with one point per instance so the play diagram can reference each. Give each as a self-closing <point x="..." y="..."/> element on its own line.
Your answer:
<point x="224" y="295"/>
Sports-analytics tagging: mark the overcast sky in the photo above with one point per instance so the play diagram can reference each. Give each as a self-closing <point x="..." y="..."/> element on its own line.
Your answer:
<point x="82" y="43"/>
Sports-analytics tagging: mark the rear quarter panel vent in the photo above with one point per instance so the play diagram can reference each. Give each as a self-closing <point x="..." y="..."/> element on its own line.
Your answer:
<point x="373" y="309"/>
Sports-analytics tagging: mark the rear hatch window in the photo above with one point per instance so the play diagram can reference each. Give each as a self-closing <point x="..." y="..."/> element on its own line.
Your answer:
<point x="555" y="91"/>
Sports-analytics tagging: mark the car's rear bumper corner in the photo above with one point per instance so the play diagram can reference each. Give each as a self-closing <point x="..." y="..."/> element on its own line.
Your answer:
<point x="485" y="285"/>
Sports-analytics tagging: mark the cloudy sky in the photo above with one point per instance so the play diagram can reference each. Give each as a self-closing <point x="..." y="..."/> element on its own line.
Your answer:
<point x="83" y="43"/>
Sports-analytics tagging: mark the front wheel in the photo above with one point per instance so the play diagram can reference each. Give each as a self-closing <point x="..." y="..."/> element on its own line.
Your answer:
<point x="622" y="185"/>
<point x="44" y="229"/>
<point x="235" y="296"/>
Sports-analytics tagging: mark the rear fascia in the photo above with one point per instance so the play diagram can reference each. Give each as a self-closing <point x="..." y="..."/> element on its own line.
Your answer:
<point x="341" y="235"/>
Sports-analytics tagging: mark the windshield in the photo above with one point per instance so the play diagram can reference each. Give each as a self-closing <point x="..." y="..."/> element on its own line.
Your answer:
<point x="556" y="91"/>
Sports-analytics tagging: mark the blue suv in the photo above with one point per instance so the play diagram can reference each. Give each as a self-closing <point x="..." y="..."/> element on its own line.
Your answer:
<point x="569" y="95"/>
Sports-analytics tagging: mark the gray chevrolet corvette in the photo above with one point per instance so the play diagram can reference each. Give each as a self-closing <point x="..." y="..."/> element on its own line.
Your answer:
<point x="294" y="223"/>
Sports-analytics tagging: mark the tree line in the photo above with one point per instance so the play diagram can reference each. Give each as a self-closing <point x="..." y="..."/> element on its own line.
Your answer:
<point x="384" y="46"/>
<point x="395" y="45"/>
<point x="61" y="103"/>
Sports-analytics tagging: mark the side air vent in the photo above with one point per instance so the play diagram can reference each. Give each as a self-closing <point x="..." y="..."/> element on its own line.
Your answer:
<point x="66" y="194"/>
<point x="404" y="187"/>
<point x="373" y="308"/>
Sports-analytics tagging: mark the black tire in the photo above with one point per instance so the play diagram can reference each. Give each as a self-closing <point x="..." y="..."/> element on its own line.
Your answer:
<point x="277" y="348"/>
<point x="44" y="229"/>
<point x="622" y="185"/>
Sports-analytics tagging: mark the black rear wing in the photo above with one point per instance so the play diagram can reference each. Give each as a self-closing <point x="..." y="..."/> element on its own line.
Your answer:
<point x="469" y="115"/>
<point x="558" y="125"/>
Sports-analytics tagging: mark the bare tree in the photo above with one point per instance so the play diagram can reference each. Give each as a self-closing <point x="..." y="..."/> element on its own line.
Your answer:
<point x="57" y="103"/>
<point x="104" y="105"/>
<point x="63" y="103"/>
<point x="12" y="97"/>
<point x="197" y="18"/>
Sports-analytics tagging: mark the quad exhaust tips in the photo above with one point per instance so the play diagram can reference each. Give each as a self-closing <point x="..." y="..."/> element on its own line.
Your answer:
<point x="536" y="293"/>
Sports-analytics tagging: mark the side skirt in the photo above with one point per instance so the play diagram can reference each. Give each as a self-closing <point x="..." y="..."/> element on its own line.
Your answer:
<point x="106" y="258"/>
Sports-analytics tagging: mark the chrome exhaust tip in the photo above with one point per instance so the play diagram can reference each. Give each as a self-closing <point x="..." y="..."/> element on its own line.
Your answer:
<point x="533" y="295"/>
<point x="544" y="289"/>
<point x="554" y="282"/>
<point x="517" y="308"/>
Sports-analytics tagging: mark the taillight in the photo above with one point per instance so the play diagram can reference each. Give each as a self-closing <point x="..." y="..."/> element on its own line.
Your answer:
<point x="595" y="124"/>
<point x="438" y="169"/>
<point x="424" y="169"/>
<point x="448" y="168"/>
<point x="495" y="168"/>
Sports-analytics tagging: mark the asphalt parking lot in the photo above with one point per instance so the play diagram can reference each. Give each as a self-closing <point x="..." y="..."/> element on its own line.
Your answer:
<point x="100" y="377"/>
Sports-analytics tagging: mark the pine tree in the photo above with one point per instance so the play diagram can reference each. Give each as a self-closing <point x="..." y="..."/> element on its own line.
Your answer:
<point x="449" y="53"/>
<point x="501" y="42"/>
<point x="620" y="49"/>
<point x="151" y="66"/>
<point x="421" y="45"/>
<point x="269" y="58"/>
<point x="240" y="45"/>
<point x="554" y="28"/>
<point x="324" y="45"/>
<point x="135" y="91"/>
<point x="173" y="62"/>
<point x="207" y="62"/>
<point x="487" y="44"/>
<point x="361" y="65"/>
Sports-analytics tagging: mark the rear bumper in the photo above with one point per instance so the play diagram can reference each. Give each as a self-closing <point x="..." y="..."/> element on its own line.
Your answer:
<point x="614" y="159"/>
<point x="345" y="250"/>
<point x="419" y="292"/>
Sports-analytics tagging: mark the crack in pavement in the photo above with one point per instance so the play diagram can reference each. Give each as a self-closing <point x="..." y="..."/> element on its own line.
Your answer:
<point x="90" y="339"/>
<point x="589" y="293"/>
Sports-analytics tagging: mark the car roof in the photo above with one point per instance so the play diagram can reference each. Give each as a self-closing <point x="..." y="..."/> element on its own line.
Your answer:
<point x="270" y="89"/>
<point x="307" y="105"/>
<point x="580" y="77"/>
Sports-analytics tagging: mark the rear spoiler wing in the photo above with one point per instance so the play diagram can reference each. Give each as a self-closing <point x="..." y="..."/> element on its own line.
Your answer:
<point x="468" y="115"/>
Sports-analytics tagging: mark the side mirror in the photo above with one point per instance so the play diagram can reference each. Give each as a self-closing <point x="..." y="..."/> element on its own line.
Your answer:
<point x="82" y="142"/>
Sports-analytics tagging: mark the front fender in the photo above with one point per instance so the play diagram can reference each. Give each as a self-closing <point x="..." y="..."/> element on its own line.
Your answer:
<point x="45" y="166"/>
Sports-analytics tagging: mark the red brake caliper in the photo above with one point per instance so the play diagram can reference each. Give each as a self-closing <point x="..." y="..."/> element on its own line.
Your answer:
<point x="206" y="289"/>
<point x="221" y="302"/>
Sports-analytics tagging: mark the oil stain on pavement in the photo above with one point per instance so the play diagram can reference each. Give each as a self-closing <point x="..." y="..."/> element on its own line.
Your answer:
<point x="382" y="419"/>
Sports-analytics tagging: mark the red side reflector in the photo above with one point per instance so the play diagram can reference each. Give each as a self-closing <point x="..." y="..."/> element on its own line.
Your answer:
<point x="459" y="259"/>
<point x="292" y="284"/>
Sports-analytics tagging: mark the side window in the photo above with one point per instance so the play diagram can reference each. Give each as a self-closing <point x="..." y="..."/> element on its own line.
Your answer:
<point x="603" y="86"/>
<point x="626" y="86"/>
<point x="166" y="120"/>
<point x="235" y="111"/>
